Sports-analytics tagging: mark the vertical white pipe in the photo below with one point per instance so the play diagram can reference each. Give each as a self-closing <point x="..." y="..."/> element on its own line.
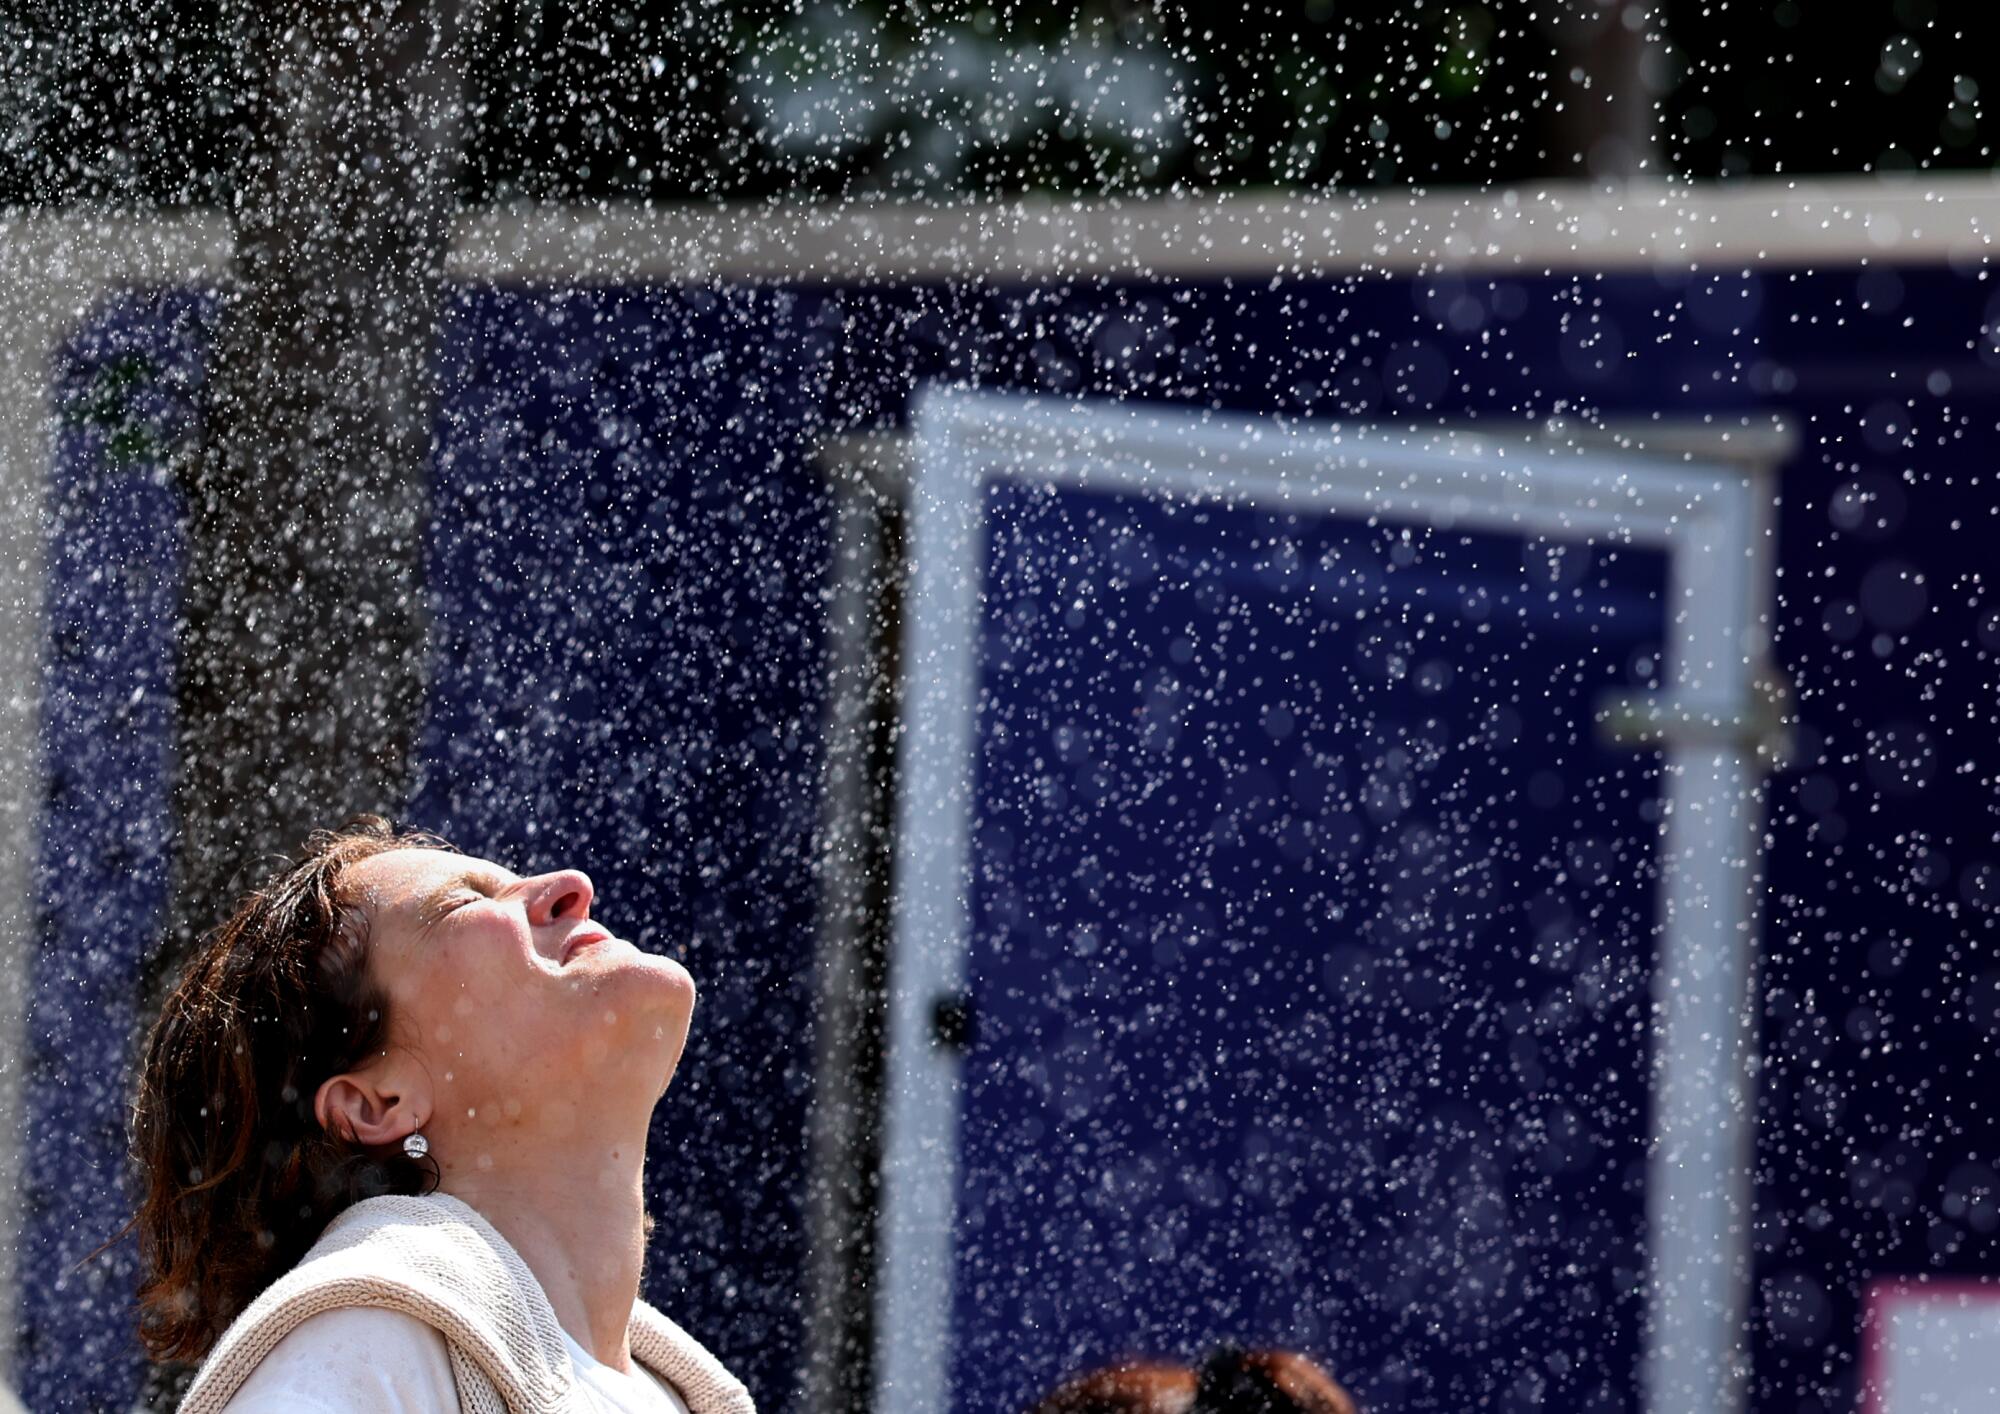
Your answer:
<point x="931" y="919"/>
<point x="1698" y="1190"/>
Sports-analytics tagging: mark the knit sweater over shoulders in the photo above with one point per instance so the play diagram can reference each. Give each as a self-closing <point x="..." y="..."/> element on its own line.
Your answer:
<point x="437" y="1259"/>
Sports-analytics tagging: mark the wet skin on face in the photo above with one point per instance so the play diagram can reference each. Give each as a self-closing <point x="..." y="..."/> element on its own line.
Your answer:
<point x="513" y="1012"/>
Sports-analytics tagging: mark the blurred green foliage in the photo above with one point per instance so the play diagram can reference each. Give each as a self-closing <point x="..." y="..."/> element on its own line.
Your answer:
<point x="112" y="401"/>
<point x="132" y="101"/>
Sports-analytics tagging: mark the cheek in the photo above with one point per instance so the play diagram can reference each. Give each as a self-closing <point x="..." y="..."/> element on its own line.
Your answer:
<point x="501" y="1056"/>
<point x="474" y="1020"/>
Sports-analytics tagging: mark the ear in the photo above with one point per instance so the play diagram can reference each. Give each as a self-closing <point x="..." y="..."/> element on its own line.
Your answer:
<point x="367" y="1106"/>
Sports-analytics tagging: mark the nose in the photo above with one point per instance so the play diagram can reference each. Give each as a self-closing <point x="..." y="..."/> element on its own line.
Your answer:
<point x="565" y="894"/>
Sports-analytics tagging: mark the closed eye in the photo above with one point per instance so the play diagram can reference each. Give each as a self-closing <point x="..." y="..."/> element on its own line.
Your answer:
<point x="454" y="893"/>
<point x="467" y="891"/>
<point x="439" y="909"/>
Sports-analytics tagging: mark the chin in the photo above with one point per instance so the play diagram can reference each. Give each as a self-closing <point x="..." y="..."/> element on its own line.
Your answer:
<point x="658" y="996"/>
<point x="674" y="983"/>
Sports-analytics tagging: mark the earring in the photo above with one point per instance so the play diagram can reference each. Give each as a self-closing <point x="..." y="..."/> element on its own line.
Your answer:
<point x="415" y="1145"/>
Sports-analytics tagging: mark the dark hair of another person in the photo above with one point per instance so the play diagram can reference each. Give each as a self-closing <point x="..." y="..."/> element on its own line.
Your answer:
<point x="1232" y="1380"/>
<point x="236" y="1176"/>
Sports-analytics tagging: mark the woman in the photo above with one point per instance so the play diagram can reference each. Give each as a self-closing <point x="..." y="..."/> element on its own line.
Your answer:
<point x="390" y="1127"/>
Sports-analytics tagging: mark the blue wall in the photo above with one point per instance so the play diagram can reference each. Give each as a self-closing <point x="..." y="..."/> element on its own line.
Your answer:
<point x="1310" y="924"/>
<point x="670" y="422"/>
<point x="1883" y="858"/>
<point x="626" y="532"/>
<point x="113" y="564"/>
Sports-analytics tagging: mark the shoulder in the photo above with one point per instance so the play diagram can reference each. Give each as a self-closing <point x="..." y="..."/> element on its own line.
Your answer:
<point x="387" y="1255"/>
<point x="353" y="1360"/>
<point x="700" y="1379"/>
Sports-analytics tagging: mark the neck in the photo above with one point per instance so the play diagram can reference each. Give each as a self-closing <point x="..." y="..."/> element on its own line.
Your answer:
<point x="578" y="1221"/>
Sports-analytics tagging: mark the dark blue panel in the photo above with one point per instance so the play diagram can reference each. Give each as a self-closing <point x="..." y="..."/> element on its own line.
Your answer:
<point x="1872" y="1163"/>
<point x="1311" y="939"/>
<point x="1507" y="348"/>
<point x="113" y="581"/>
<point x="1878" y="1140"/>
<point x="628" y="550"/>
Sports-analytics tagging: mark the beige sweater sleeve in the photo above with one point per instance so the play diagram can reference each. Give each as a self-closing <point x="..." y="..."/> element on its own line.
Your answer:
<point x="353" y="1360"/>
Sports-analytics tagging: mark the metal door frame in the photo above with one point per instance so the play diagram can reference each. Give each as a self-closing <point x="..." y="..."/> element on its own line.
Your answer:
<point x="1715" y="719"/>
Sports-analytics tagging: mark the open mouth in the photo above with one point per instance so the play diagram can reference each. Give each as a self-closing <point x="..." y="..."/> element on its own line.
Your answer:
<point x="583" y="938"/>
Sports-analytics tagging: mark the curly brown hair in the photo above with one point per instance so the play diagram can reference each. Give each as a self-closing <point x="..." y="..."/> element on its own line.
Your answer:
<point x="236" y="1175"/>
<point x="1232" y="1380"/>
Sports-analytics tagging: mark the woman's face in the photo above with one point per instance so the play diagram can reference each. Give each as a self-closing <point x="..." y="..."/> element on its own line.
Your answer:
<point x="528" y="1016"/>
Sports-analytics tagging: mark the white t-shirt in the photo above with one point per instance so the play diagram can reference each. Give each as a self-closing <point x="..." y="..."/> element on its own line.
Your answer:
<point x="638" y="1392"/>
<point x="369" y="1360"/>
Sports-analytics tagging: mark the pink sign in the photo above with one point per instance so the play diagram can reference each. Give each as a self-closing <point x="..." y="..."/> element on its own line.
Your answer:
<point x="1930" y="1346"/>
